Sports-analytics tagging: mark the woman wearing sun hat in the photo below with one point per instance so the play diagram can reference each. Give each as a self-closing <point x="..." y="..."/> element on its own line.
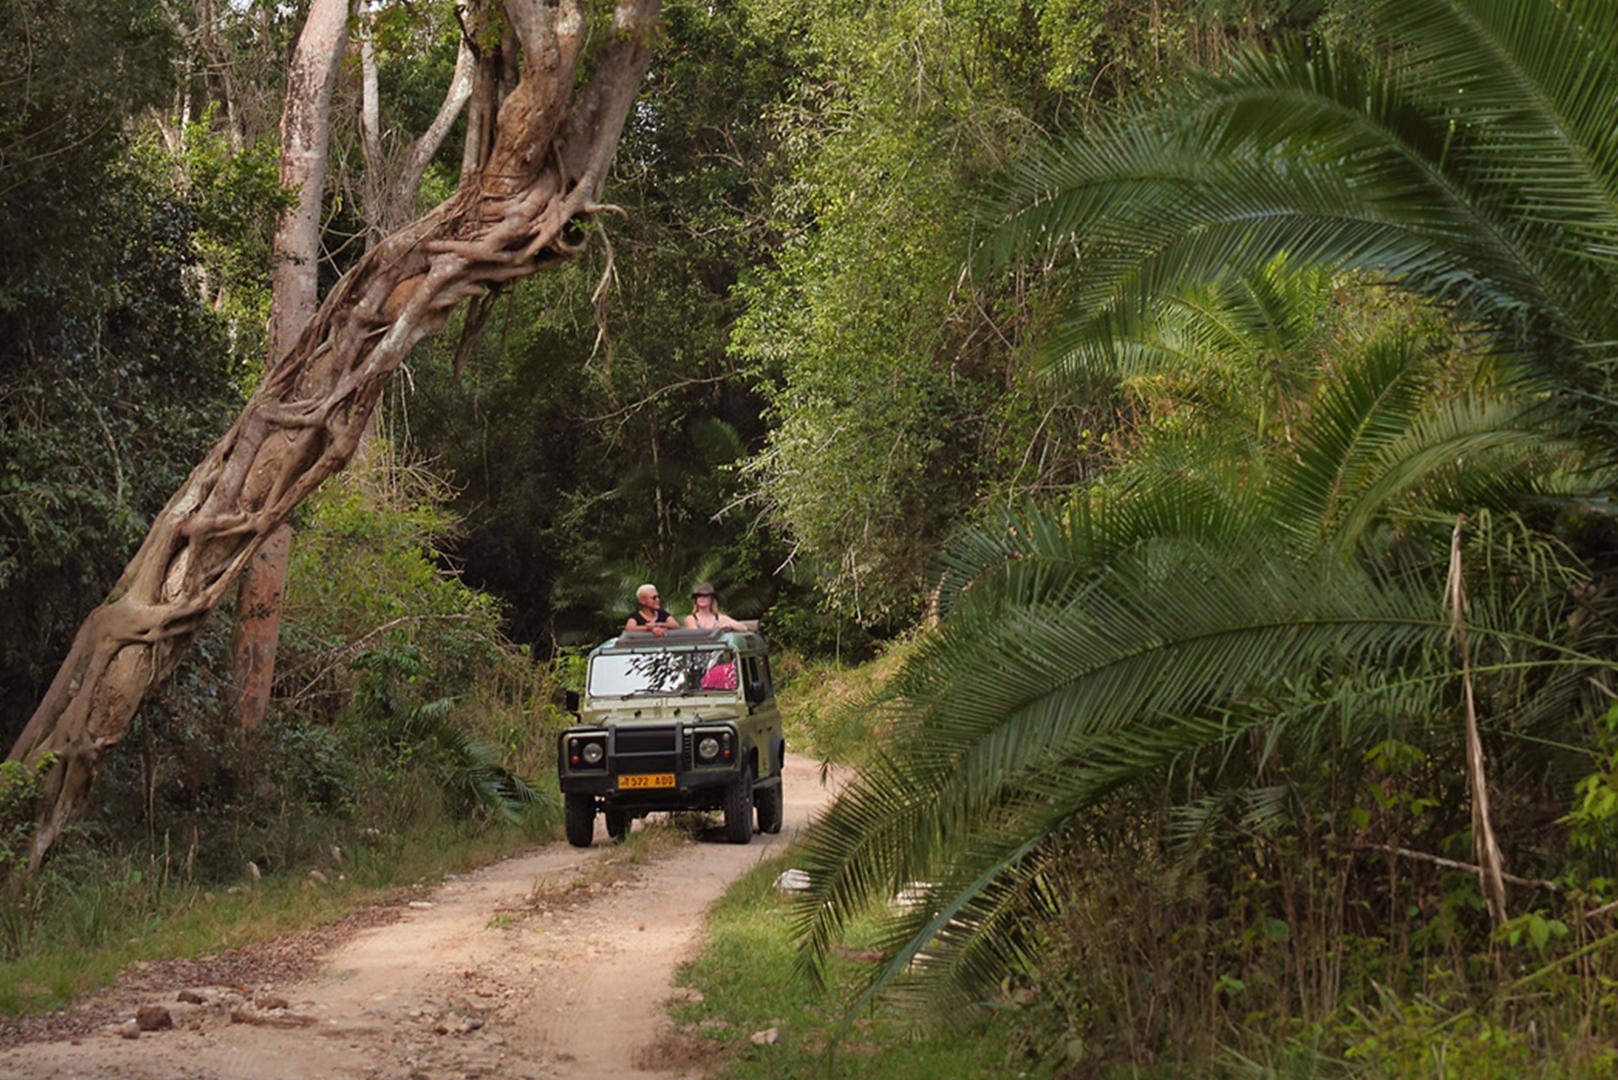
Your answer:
<point x="705" y="613"/>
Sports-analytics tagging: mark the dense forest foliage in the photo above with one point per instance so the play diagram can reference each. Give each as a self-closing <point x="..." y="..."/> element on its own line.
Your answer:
<point x="1204" y="404"/>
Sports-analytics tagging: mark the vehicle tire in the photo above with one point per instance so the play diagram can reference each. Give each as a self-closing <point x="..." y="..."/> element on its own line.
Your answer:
<point x="617" y="822"/>
<point x="579" y="818"/>
<point x="771" y="808"/>
<point x="739" y="808"/>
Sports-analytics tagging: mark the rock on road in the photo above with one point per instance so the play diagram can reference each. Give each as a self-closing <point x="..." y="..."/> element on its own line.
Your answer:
<point x="477" y="979"/>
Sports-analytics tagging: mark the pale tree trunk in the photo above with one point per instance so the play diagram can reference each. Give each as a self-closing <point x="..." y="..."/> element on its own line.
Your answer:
<point x="294" y="294"/>
<point x="485" y="98"/>
<point x="527" y="208"/>
<point x="425" y="148"/>
<point x="372" y="184"/>
<point x="387" y="201"/>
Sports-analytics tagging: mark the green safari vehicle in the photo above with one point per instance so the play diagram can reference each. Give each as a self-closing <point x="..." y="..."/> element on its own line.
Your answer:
<point x="682" y="721"/>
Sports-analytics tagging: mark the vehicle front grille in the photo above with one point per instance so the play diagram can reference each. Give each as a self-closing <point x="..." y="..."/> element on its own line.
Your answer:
<point x="646" y="749"/>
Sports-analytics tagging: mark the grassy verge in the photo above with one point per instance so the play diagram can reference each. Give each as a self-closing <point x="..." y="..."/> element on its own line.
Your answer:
<point x="70" y="935"/>
<point x="825" y="704"/>
<point x="747" y="982"/>
<point x="744" y="981"/>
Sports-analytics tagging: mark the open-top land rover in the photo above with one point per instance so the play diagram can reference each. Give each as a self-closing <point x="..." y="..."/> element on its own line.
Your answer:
<point x="682" y="721"/>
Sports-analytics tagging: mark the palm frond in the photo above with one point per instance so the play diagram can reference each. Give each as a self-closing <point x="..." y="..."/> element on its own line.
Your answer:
<point x="1028" y="695"/>
<point x="1538" y="78"/>
<point x="1497" y="199"/>
<point x="467" y="768"/>
<point x="1224" y="341"/>
<point x="1051" y="553"/>
<point x="972" y="931"/>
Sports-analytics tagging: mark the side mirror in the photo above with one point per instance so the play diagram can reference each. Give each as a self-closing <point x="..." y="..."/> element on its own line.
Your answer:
<point x="571" y="700"/>
<point x="755" y="691"/>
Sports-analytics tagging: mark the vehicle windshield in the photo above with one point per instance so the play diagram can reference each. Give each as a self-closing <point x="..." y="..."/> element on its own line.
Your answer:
<point x="689" y="671"/>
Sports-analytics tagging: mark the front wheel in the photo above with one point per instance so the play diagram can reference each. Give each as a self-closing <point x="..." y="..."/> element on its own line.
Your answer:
<point x="579" y="819"/>
<point x="739" y="808"/>
<point x="771" y="808"/>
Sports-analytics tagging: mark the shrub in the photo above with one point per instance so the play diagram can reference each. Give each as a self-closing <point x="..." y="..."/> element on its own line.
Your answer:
<point x="19" y="798"/>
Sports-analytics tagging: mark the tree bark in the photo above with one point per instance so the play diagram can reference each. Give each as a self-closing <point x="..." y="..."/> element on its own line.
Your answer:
<point x="527" y="208"/>
<point x="294" y="291"/>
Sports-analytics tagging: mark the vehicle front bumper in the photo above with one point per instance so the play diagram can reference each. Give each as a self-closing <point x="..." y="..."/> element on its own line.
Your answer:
<point x="663" y="750"/>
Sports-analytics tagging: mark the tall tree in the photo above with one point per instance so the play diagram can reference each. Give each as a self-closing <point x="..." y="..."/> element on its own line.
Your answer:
<point x="395" y="163"/>
<point x="528" y="205"/>
<point x="294" y="289"/>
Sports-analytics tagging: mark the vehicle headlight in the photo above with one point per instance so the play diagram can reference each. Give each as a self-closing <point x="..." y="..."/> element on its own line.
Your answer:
<point x="586" y="752"/>
<point x="708" y="748"/>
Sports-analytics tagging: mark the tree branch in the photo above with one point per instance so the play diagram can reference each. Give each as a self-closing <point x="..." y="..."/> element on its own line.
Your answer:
<point x="359" y="643"/>
<point x="1453" y="864"/>
<point x="423" y="149"/>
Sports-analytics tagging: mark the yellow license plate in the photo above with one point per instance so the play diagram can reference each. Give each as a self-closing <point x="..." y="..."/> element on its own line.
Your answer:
<point x="646" y="780"/>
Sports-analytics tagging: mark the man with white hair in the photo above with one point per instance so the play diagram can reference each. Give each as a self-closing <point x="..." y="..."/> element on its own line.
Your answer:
<point x="651" y="616"/>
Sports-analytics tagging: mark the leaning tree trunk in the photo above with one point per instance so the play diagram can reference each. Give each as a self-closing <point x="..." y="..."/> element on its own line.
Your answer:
<point x="528" y="207"/>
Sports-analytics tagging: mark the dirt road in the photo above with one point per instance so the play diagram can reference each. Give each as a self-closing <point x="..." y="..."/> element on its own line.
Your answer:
<point x="548" y="965"/>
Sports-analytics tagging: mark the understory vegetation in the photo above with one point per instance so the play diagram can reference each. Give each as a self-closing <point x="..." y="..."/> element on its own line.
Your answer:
<point x="1169" y="445"/>
<point x="406" y="739"/>
<point x="1328" y="923"/>
<point x="747" y="984"/>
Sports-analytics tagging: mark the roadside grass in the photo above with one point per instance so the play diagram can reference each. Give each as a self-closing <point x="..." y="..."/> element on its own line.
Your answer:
<point x="63" y="936"/>
<point x="748" y="983"/>
<point x="825" y="704"/>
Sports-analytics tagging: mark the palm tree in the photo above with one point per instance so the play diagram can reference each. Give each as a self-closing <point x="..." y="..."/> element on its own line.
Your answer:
<point x="1168" y="621"/>
<point x="1234" y="355"/>
<point x="1466" y="153"/>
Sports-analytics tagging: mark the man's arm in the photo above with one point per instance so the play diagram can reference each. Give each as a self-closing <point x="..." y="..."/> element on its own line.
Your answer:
<point x="657" y="627"/>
